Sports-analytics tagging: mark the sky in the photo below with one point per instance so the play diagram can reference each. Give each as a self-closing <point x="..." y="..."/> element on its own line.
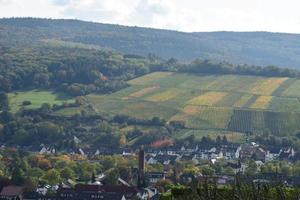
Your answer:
<point x="181" y="15"/>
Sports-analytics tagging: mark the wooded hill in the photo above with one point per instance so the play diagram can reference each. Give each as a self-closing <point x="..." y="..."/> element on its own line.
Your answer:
<point x="257" y="48"/>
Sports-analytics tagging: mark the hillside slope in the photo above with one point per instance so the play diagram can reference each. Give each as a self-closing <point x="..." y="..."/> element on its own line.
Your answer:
<point x="210" y="102"/>
<point x="258" y="48"/>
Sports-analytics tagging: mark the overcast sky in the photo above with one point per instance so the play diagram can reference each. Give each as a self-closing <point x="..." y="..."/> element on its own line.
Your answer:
<point x="182" y="15"/>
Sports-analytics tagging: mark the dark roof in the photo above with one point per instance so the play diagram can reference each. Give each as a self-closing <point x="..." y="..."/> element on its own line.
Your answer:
<point x="120" y="189"/>
<point x="187" y="157"/>
<point x="156" y="197"/>
<point x="87" y="188"/>
<point x="162" y="158"/>
<point x="12" y="191"/>
<point x="65" y="190"/>
<point x="113" y="197"/>
<point x="109" y="189"/>
<point x="234" y="165"/>
<point x="274" y="149"/>
<point x="155" y="174"/>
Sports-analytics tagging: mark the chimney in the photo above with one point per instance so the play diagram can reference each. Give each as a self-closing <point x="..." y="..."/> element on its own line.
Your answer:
<point x="141" y="171"/>
<point x="142" y="160"/>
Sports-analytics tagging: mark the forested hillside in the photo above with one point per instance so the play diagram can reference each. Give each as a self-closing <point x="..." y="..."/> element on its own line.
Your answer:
<point x="103" y="84"/>
<point x="258" y="48"/>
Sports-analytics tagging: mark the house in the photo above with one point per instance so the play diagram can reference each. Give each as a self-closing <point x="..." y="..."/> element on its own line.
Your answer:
<point x="167" y="159"/>
<point x="154" y="177"/>
<point x="204" y="156"/>
<point x="286" y="153"/>
<point x="127" y="154"/>
<point x="148" y="193"/>
<point x="259" y="154"/>
<point x="46" y="150"/>
<point x="222" y="180"/>
<point x="97" y="192"/>
<point x="151" y="161"/>
<point x="229" y="152"/>
<point x="237" y="167"/>
<point x="66" y="193"/>
<point x="12" y="193"/>
<point x="252" y="151"/>
<point x="259" y="163"/>
<point x="237" y="152"/>
<point x="189" y="157"/>
<point x="272" y="153"/>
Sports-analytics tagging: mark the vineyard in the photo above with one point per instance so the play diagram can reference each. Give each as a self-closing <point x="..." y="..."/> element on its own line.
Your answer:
<point x="233" y="103"/>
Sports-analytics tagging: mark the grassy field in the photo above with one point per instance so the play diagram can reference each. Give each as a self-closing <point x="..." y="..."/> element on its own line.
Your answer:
<point x="37" y="98"/>
<point x="207" y="102"/>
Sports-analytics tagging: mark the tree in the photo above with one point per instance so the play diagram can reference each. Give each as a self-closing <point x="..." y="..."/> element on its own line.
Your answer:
<point x="191" y="169"/>
<point x="108" y="162"/>
<point x="252" y="168"/>
<point x="17" y="176"/>
<point x="35" y="173"/>
<point x="22" y="137"/>
<point x="26" y="103"/>
<point x="45" y="108"/>
<point x="104" y="127"/>
<point x="67" y="173"/>
<point x="1" y="131"/>
<point x="93" y="179"/>
<point x="122" y="140"/>
<point x="125" y="173"/>
<point x="229" y="171"/>
<point x="224" y="140"/>
<point x="61" y="164"/>
<point x="52" y="177"/>
<point x="112" y="177"/>
<point x="48" y="131"/>
<point x="4" y="104"/>
<point x="163" y="185"/>
<point x="218" y="140"/>
<point x="207" y="170"/>
<point x="84" y="171"/>
<point x="6" y="116"/>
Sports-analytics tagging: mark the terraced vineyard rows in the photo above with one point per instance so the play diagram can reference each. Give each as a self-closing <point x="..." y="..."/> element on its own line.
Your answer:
<point x="220" y="102"/>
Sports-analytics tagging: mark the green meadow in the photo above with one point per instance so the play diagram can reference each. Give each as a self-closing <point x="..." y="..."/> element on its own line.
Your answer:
<point x="37" y="98"/>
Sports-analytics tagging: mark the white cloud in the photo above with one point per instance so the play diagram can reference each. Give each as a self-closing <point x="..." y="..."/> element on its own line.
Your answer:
<point x="34" y="8"/>
<point x="187" y="15"/>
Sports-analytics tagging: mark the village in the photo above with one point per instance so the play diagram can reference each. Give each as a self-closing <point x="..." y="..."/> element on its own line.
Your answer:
<point x="234" y="156"/>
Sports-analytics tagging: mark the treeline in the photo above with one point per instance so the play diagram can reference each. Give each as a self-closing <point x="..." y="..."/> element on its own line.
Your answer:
<point x="31" y="127"/>
<point x="76" y="71"/>
<point x="211" y="67"/>
<point x="238" y="190"/>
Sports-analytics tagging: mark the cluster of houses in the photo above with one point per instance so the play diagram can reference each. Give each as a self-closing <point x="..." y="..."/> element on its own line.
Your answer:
<point x="234" y="154"/>
<point x="169" y="155"/>
<point x="212" y="153"/>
